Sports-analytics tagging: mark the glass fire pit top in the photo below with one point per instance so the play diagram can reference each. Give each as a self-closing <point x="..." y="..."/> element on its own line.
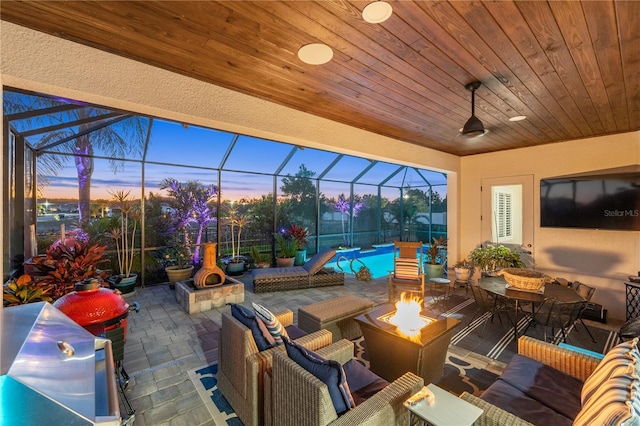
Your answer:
<point x="387" y="318"/>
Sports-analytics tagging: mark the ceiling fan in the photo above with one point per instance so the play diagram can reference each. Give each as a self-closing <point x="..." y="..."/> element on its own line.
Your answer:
<point x="473" y="128"/>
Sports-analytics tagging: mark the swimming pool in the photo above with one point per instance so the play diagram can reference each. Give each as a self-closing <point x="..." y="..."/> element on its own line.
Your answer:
<point x="378" y="263"/>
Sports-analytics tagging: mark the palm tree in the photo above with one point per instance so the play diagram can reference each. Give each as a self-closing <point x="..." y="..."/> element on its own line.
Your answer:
<point x="191" y="203"/>
<point x="88" y="128"/>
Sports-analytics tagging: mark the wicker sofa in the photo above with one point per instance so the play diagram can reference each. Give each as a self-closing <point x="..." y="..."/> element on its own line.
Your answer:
<point x="242" y="367"/>
<point x="298" y="398"/>
<point x="311" y="274"/>
<point x="549" y="384"/>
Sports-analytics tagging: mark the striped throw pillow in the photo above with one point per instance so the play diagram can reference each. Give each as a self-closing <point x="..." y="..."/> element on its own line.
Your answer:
<point x="406" y="268"/>
<point x="611" y="395"/>
<point x="274" y="326"/>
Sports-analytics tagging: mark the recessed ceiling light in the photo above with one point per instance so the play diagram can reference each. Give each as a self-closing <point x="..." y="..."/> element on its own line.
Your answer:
<point x="518" y="118"/>
<point x="376" y="12"/>
<point x="315" y="54"/>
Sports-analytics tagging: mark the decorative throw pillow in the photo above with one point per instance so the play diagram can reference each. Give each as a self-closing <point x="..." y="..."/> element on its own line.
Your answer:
<point x="266" y="333"/>
<point x="248" y="318"/>
<point x="611" y="394"/>
<point x="330" y="372"/>
<point x="271" y="322"/>
<point x="406" y="268"/>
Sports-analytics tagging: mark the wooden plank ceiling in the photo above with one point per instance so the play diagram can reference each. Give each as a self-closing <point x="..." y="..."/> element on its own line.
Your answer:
<point x="571" y="67"/>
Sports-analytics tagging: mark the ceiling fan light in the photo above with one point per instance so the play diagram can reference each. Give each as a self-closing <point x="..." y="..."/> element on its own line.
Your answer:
<point x="377" y="12"/>
<point x="473" y="128"/>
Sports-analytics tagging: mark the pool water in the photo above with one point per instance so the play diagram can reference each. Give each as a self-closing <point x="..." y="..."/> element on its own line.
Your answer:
<point x="379" y="264"/>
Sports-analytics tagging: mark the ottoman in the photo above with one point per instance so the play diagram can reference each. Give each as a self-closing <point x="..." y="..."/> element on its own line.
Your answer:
<point x="335" y="315"/>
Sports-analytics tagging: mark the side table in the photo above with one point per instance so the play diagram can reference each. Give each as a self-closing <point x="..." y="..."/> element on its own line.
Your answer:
<point x="444" y="284"/>
<point x="446" y="410"/>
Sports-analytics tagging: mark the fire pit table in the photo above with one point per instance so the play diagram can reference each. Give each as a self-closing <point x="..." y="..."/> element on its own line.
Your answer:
<point x="391" y="354"/>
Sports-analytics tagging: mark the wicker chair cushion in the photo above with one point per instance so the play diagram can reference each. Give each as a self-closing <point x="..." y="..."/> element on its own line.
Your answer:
<point x="294" y="332"/>
<point x="503" y="395"/>
<point x="330" y="372"/>
<point x="248" y="318"/>
<point x="273" y="325"/>
<point x="611" y="395"/>
<point x="535" y="379"/>
<point x="317" y="261"/>
<point x="363" y="382"/>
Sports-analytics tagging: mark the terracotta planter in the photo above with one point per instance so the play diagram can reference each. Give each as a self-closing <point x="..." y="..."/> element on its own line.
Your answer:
<point x="285" y="262"/>
<point x="178" y="273"/>
<point x="462" y="274"/>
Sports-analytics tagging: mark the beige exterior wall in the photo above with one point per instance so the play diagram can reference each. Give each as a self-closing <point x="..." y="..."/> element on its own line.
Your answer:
<point x="42" y="63"/>
<point x="600" y="258"/>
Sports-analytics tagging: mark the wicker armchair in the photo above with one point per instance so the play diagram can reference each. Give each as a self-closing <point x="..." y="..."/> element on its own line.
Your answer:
<point x="241" y="366"/>
<point x="576" y="364"/>
<point x="298" y="398"/>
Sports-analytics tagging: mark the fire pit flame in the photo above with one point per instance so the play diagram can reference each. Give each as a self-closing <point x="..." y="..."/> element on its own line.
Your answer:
<point x="407" y="317"/>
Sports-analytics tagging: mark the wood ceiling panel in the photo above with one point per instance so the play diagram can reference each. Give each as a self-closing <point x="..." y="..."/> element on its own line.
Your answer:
<point x="573" y="26"/>
<point x="572" y="67"/>
<point x="627" y="14"/>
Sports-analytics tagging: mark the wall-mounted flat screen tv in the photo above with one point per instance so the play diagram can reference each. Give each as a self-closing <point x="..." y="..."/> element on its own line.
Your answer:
<point x="605" y="199"/>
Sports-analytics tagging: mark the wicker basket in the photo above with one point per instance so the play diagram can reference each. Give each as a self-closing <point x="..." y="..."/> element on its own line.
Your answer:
<point x="523" y="278"/>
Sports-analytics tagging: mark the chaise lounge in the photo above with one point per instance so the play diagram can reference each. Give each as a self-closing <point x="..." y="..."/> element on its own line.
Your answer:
<point x="311" y="274"/>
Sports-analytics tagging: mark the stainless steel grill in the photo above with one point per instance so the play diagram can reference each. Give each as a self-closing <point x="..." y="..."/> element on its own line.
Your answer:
<point x="52" y="371"/>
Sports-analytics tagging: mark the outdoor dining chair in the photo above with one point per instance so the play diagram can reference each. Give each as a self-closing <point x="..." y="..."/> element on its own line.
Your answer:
<point x="407" y="274"/>
<point x="556" y="314"/>
<point x="586" y="292"/>
<point x="487" y="304"/>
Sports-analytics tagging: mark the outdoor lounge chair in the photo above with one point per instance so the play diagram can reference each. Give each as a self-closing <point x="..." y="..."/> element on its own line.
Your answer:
<point x="311" y="274"/>
<point x="241" y="366"/>
<point x="407" y="275"/>
<point x="297" y="397"/>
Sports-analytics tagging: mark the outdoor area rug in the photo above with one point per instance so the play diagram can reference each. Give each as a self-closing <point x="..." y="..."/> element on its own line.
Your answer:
<point x="459" y="375"/>
<point x="497" y="340"/>
<point x="205" y="379"/>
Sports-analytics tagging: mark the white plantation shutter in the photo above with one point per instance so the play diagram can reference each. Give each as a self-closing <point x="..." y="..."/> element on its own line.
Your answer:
<point x="503" y="209"/>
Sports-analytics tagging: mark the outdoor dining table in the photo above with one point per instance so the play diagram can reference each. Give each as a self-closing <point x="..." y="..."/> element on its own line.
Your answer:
<point x="498" y="287"/>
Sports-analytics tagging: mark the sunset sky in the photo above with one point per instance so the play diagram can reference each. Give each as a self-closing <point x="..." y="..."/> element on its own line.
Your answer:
<point x="176" y="150"/>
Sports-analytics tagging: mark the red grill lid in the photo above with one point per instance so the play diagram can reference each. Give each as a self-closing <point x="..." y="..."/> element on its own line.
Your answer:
<point x="91" y="304"/>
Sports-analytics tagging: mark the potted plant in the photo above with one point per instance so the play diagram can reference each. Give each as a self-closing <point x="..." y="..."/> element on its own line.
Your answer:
<point x="490" y="258"/>
<point x="463" y="270"/>
<point x="260" y="259"/>
<point x="25" y="290"/>
<point x="236" y="221"/>
<point x="434" y="265"/>
<point x="178" y="258"/>
<point x="286" y="249"/>
<point x="66" y="264"/>
<point x="125" y="280"/>
<point x="299" y="235"/>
